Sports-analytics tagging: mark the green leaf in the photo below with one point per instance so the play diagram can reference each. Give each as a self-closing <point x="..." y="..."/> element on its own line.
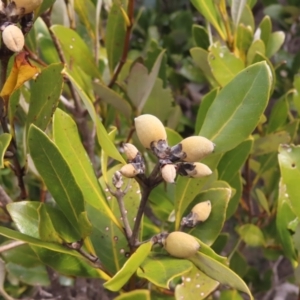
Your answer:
<point x="247" y="17"/>
<point x="160" y="101"/>
<point x="44" y="98"/>
<point x="195" y="286"/>
<point x="129" y="268"/>
<point x="102" y="136"/>
<point x="206" y="102"/>
<point x="112" y="98"/>
<point x="238" y="264"/>
<point x="200" y="36"/>
<point x="257" y="46"/>
<point x="296" y="94"/>
<point x="284" y="217"/>
<point x="289" y="162"/>
<point x="200" y="57"/>
<point x="185" y="191"/>
<point x="262" y="200"/>
<point x="235" y="113"/>
<point x="252" y="235"/>
<point x="237" y="7"/>
<point x="233" y="160"/>
<point x="43" y="7"/>
<point x="173" y="137"/>
<point x="74" y="49"/>
<point x="115" y="35"/>
<point x="86" y="12"/>
<point x="220" y="272"/>
<point x="275" y="41"/>
<point x="243" y="39"/>
<point x="58" y="178"/>
<point x="160" y="269"/>
<point x="265" y="28"/>
<point x="5" y="139"/>
<point x="67" y="140"/>
<point x="140" y="83"/>
<point x="230" y="295"/>
<point x="33" y="276"/>
<point x="135" y="295"/>
<point x="209" y="230"/>
<point x="224" y="64"/>
<point x="210" y="13"/>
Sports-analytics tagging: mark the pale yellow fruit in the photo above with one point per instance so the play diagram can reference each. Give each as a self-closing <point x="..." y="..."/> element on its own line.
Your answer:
<point x="201" y="170"/>
<point x="180" y="244"/>
<point x="149" y="129"/>
<point x="25" y="6"/>
<point x="13" y="38"/>
<point x="130" y="151"/>
<point x="201" y="211"/>
<point x="196" y="147"/>
<point x="129" y="171"/>
<point x="168" y="173"/>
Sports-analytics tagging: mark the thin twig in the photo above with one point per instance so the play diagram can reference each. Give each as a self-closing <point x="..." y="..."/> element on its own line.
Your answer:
<point x="11" y="245"/>
<point x="34" y="57"/>
<point x="97" y="38"/>
<point x="130" y="13"/>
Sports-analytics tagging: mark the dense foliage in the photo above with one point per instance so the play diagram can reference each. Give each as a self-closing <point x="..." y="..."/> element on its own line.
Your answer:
<point x="99" y="178"/>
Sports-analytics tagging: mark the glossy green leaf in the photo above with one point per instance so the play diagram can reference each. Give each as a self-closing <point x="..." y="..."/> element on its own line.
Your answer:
<point x="67" y="140"/>
<point x="43" y="7"/>
<point x="115" y="35"/>
<point x="270" y="143"/>
<point x="209" y="230"/>
<point x="160" y="101"/>
<point x="251" y="235"/>
<point x="66" y="264"/>
<point x="173" y="137"/>
<point x="195" y="286"/>
<point x="210" y="13"/>
<point x="86" y="12"/>
<point x="74" y="49"/>
<point x="206" y="102"/>
<point x="5" y="139"/>
<point x="160" y="269"/>
<point x="200" y="57"/>
<point x="289" y="162"/>
<point x="296" y="94"/>
<point x="112" y="98"/>
<point x="284" y="217"/>
<point x="129" y="268"/>
<point x="235" y="113"/>
<point x="102" y="135"/>
<point x="140" y="83"/>
<point x="230" y="295"/>
<point x="244" y="38"/>
<point x="262" y="200"/>
<point x="256" y="46"/>
<point x="135" y="295"/>
<point x="200" y="36"/>
<point x="44" y="98"/>
<point x="33" y="276"/>
<point x="58" y="178"/>
<point x="224" y="64"/>
<point x="186" y="190"/>
<point x="220" y="272"/>
<point x="265" y="29"/>
<point x="238" y="264"/>
<point x="233" y="160"/>
<point x="275" y="42"/>
<point x="237" y="7"/>
<point x="247" y="17"/>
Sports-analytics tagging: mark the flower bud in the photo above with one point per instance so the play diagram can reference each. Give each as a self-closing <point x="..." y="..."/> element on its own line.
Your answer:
<point x="201" y="211"/>
<point x="22" y="7"/>
<point x="129" y="171"/>
<point x="13" y="38"/>
<point x="194" y="148"/>
<point x="194" y="170"/>
<point x="130" y="151"/>
<point x="168" y="173"/>
<point x="149" y="130"/>
<point x="180" y="244"/>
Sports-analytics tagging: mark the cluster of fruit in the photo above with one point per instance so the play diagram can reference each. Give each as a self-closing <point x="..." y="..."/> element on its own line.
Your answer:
<point x="17" y="12"/>
<point x="180" y="159"/>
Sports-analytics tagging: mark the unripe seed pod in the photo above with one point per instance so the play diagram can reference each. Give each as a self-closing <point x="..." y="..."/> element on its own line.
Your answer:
<point x="129" y="171"/>
<point x="201" y="211"/>
<point x="149" y="129"/>
<point x="13" y="38"/>
<point x="168" y="173"/>
<point x="201" y="170"/>
<point x="180" y="244"/>
<point x="25" y="6"/>
<point x="130" y="151"/>
<point x="196" y="147"/>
